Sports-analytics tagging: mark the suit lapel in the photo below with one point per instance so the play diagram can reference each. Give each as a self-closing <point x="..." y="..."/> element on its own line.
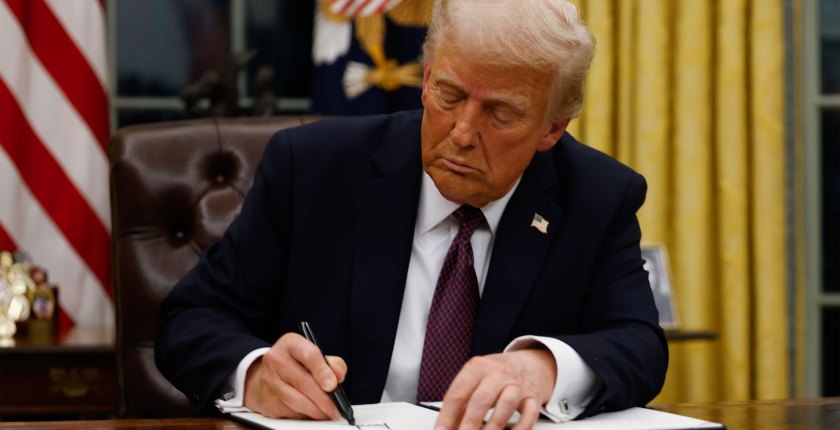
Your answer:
<point x="518" y="253"/>
<point x="384" y="214"/>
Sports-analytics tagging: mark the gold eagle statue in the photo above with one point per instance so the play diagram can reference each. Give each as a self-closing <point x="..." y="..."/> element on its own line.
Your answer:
<point x="334" y="22"/>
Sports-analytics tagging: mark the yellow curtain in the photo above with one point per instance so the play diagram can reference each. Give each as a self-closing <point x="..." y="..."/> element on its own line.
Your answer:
<point x="690" y="93"/>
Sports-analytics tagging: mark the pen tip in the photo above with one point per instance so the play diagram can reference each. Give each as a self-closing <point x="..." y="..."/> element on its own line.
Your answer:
<point x="352" y="421"/>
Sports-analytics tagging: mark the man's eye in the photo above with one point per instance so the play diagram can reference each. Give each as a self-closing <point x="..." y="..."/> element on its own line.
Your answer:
<point x="504" y="116"/>
<point x="449" y="97"/>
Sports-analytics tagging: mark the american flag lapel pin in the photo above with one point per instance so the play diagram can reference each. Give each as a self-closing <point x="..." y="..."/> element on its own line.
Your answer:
<point x="540" y="223"/>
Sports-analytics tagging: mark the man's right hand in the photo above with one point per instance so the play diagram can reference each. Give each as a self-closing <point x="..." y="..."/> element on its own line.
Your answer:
<point x="292" y="381"/>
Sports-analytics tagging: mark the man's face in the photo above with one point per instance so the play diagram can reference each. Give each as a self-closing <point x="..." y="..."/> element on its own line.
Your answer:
<point x="482" y="125"/>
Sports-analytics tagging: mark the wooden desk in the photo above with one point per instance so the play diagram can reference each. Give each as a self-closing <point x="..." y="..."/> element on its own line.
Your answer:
<point x="164" y="424"/>
<point x="683" y="335"/>
<point x="804" y="414"/>
<point x="68" y="376"/>
<point x="799" y="414"/>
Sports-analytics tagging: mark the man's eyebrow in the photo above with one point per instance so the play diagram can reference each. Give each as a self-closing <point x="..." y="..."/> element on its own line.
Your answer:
<point x="514" y="101"/>
<point x="444" y="79"/>
<point x="517" y="103"/>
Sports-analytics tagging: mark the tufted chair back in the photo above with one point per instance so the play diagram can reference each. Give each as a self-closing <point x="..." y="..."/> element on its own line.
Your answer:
<point x="175" y="187"/>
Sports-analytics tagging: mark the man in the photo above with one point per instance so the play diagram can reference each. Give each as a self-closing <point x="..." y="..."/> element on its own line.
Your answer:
<point x="348" y="225"/>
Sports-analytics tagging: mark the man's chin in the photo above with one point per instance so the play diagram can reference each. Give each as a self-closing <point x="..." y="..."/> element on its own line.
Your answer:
<point x="452" y="193"/>
<point x="458" y="196"/>
<point x="453" y="186"/>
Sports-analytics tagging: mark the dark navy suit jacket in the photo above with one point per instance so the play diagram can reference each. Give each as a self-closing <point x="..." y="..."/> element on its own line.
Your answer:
<point x="325" y="236"/>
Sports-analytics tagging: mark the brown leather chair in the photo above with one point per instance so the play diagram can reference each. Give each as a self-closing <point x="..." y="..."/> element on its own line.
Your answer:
<point x="175" y="187"/>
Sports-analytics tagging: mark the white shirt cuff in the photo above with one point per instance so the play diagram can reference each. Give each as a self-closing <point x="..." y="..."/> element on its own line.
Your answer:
<point x="233" y="400"/>
<point x="576" y="383"/>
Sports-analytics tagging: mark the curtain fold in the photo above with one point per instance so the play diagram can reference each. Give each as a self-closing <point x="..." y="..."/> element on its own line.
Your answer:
<point x="691" y="94"/>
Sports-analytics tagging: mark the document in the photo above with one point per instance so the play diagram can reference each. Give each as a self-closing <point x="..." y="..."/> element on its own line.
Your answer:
<point x="379" y="416"/>
<point x="406" y="416"/>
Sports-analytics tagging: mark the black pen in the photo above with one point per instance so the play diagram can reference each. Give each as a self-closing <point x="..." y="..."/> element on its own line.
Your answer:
<point x="338" y="395"/>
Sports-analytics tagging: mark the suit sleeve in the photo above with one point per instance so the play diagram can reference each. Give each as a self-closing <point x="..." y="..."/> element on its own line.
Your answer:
<point x="221" y="310"/>
<point x="620" y="338"/>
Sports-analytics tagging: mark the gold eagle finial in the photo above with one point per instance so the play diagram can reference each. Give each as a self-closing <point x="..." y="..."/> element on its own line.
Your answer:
<point x="369" y="19"/>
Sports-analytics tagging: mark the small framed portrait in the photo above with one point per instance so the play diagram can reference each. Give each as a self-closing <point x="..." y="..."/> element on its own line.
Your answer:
<point x="659" y="273"/>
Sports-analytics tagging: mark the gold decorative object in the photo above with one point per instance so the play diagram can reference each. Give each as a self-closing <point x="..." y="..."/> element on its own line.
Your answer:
<point x="24" y="294"/>
<point x="7" y="325"/>
<point x="18" y="308"/>
<point x="7" y="331"/>
<point x="74" y="383"/>
<point x="370" y="28"/>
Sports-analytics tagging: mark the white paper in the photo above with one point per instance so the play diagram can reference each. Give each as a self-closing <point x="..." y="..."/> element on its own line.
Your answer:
<point x="397" y="416"/>
<point x="631" y="419"/>
<point x="405" y="416"/>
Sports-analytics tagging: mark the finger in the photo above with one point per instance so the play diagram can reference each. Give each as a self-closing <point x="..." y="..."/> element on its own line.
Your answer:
<point x="497" y="392"/>
<point x="273" y="405"/>
<point x="311" y="357"/>
<point x="506" y="404"/>
<point x="499" y="387"/>
<point x="529" y="412"/>
<point x="287" y="360"/>
<point x="297" y="402"/>
<point x="315" y="379"/>
<point x="261" y="394"/>
<point x="457" y="397"/>
<point x="338" y="366"/>
<point x="293" y="386"/>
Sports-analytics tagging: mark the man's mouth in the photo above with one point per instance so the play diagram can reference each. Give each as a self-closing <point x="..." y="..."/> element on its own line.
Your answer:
<point x="456" y="166"/>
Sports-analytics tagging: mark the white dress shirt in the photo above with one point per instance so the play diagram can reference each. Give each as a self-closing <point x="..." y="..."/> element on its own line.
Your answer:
<point x="434" y="230"/>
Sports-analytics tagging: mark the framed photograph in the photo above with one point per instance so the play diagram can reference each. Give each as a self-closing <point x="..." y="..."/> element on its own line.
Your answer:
<point x="659" y="273"/>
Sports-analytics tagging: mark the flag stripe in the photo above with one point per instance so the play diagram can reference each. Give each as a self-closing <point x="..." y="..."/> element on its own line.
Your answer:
<point x="339" y="6"/>
<point x="45" y="178"/>
<point x="53" y="149"/>
<point x="352" y="8"/>
<point x="373" y="8"/>
<point x="358" y="5"/>
<point x="81" y="295"/>
<point x="6" y="241"/>
<point x="85" y="33"/>
<point x="55" y="122"/>
<point x="65" y="63"/>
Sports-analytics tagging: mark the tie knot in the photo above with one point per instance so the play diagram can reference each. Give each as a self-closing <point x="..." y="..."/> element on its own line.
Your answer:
<point x="469" y="218"/>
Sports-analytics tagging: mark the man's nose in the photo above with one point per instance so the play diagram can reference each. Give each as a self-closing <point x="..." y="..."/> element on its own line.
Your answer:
<point x="465" y="132"/>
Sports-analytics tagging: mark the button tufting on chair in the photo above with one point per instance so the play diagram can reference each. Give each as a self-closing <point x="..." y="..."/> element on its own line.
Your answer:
<point x="175" y="187"/>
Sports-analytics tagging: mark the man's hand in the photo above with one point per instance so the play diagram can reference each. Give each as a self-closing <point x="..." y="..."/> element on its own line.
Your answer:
<point x="292" y="380"/>
<point x="514" y="381"/>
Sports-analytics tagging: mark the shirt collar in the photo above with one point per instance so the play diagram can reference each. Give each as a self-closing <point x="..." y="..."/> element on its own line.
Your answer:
<point x="434" y="208"/>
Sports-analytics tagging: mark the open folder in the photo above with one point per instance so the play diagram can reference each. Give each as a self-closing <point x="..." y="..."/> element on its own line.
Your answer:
<point x="405" y="416"/>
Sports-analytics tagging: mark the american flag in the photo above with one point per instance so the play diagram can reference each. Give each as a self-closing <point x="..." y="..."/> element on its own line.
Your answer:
<point x="540" y="223"/>
<point x="54" y="130"/>
<point x="361" y="7"/>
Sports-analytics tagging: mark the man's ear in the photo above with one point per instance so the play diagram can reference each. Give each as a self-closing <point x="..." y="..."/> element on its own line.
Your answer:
<point x="555" y="130"/>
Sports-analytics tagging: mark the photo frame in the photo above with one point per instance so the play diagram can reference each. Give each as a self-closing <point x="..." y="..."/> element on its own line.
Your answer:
<point x="659" y="274"/>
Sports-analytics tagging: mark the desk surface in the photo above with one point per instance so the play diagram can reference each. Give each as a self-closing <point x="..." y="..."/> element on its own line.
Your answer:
<point x="800" y="414"/>
<point x="77" y="339"/>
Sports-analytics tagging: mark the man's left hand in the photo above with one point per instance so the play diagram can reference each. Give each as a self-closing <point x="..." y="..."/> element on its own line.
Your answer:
<point x="513" y="381"/>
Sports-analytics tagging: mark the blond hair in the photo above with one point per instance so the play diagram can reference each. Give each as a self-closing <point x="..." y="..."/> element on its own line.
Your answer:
<point x="539" y="34"/>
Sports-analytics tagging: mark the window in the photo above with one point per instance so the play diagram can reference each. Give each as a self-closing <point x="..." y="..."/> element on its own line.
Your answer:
<point x="822" y="196"/>
<point x="158" y="47"/>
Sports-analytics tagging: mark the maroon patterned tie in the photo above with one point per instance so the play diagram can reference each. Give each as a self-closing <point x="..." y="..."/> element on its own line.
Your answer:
<point x="449" y="329"/>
